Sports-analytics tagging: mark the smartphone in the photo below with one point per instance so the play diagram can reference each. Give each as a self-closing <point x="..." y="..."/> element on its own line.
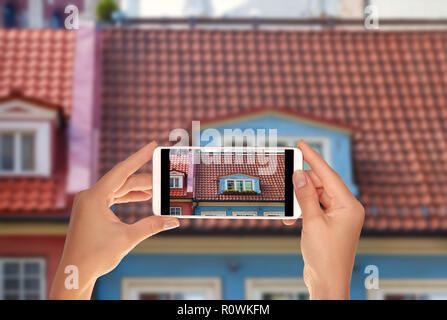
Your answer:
<point x="223" y="182"/>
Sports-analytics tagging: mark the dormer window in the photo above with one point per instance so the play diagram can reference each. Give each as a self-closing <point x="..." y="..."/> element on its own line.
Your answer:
<point x="176" y="180"/>
<point x="239" y="184"/>
<point x="26" y="137"/>
<point x="17" y="150"/>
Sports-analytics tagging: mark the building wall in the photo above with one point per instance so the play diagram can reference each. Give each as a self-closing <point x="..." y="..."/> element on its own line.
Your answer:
<point x="48" y="247"/>
<point x="233" y="269"/>
<point x="185" y="205"/>
<point x="240" y="207"/>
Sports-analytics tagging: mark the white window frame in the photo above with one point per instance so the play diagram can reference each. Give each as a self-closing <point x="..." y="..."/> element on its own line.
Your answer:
<point x="213" y="213"/>
<point x="243" y="184"/>
<point x="42" y="147"/>
<point x="407" y="286"/>
<point x="131" y="288"/>
<point x="256" y="287"/>
<point x="292" y="141"/>
<point x="179" y="178"/>
<point x="274" y="214"/>
<point x="35" y="14"/>
<point x="245" y="213"/>
<point x="21" y="261"/>
<point x="18" y="157"/>
<point x="170" y="211"/>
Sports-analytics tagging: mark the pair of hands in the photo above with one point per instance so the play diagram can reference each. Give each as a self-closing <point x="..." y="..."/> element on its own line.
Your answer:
<point x="97" y="240"/>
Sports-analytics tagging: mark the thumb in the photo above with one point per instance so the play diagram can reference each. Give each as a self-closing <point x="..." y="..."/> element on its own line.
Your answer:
<point x="149" y="226"/>
<point x="306" y="194"/>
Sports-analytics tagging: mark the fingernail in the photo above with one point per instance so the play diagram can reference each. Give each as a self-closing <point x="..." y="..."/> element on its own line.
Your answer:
<point x="299" y="179"/>
<point x="170" y="224"/>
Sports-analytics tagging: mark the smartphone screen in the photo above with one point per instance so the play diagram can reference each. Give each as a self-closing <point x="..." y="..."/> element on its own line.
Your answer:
<point x="227" y="183"/>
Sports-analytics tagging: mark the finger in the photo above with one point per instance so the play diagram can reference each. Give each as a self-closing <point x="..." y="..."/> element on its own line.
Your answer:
<point x="289" y="222"/>
<point x="324" y="197"/>
<point x="134" y="196"/>
<point x="115" y="178"/>
<point x="332" y="182"/>
<point x="149" y="226"/>
<point x="138" y="182"/>
<point x="306" y="195"/>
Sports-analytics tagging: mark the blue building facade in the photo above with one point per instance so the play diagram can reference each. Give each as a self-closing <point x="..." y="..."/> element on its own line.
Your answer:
<point x="242" y="276"/>
<point x="270" y="266"/>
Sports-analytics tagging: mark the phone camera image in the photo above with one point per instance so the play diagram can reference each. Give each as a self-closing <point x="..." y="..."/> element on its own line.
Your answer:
<point x="227" y="183"/>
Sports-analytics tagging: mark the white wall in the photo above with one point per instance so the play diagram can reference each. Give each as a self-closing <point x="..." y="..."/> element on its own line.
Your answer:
<point x="430" y="9"/>
<point x="293" y="8"/>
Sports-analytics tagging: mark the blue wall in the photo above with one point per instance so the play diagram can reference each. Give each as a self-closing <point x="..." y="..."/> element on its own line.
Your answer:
<point x="229" y="209"/>
<point x="340" y="142"/>
<point x="254" y="265"/>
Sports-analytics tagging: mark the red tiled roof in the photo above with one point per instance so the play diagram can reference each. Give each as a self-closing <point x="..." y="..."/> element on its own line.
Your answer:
<point x="207" y="181"/>
<point x="178" y="163"/>
<point x="37" y="196"/>
<point x="390" y="85"/>
<point x="31" y="196"/>
<point x="39" y="64"/>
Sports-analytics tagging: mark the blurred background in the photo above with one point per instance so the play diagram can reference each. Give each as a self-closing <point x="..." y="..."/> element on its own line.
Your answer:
<point x="85" y="83"/>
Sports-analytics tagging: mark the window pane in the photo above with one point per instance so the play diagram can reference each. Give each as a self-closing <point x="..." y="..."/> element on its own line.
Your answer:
<point x="174" y="182"/>
<point x="248" y="185"/>
<point x="28" y="151"/>
<point x="7" y="151"/>
<point x="230" y="184"/>
<point x="11" y="284"/>
<point x="239" y="185"/>
<point x="11" y="296"/>
<point x="32" y="268"/>
<point x="32" y="296"/>
<point x="11" y="268"/>
<point x="175" y="211"/>
<point x="32" y="284"/>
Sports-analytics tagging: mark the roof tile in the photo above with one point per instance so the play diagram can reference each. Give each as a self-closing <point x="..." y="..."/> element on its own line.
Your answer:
<point x="389" y="85"/>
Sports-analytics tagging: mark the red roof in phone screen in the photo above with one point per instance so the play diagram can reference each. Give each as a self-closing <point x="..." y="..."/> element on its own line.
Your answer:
<point x="179" y="164"/>
<point x="270" y="175"/>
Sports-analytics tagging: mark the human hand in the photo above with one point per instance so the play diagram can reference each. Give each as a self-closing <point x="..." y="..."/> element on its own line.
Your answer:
<point x="97" y="240"/>
<point x="329" y="235"/>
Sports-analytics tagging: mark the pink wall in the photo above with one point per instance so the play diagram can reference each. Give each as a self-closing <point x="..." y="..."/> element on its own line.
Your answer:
<point x="84" y="123"/>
